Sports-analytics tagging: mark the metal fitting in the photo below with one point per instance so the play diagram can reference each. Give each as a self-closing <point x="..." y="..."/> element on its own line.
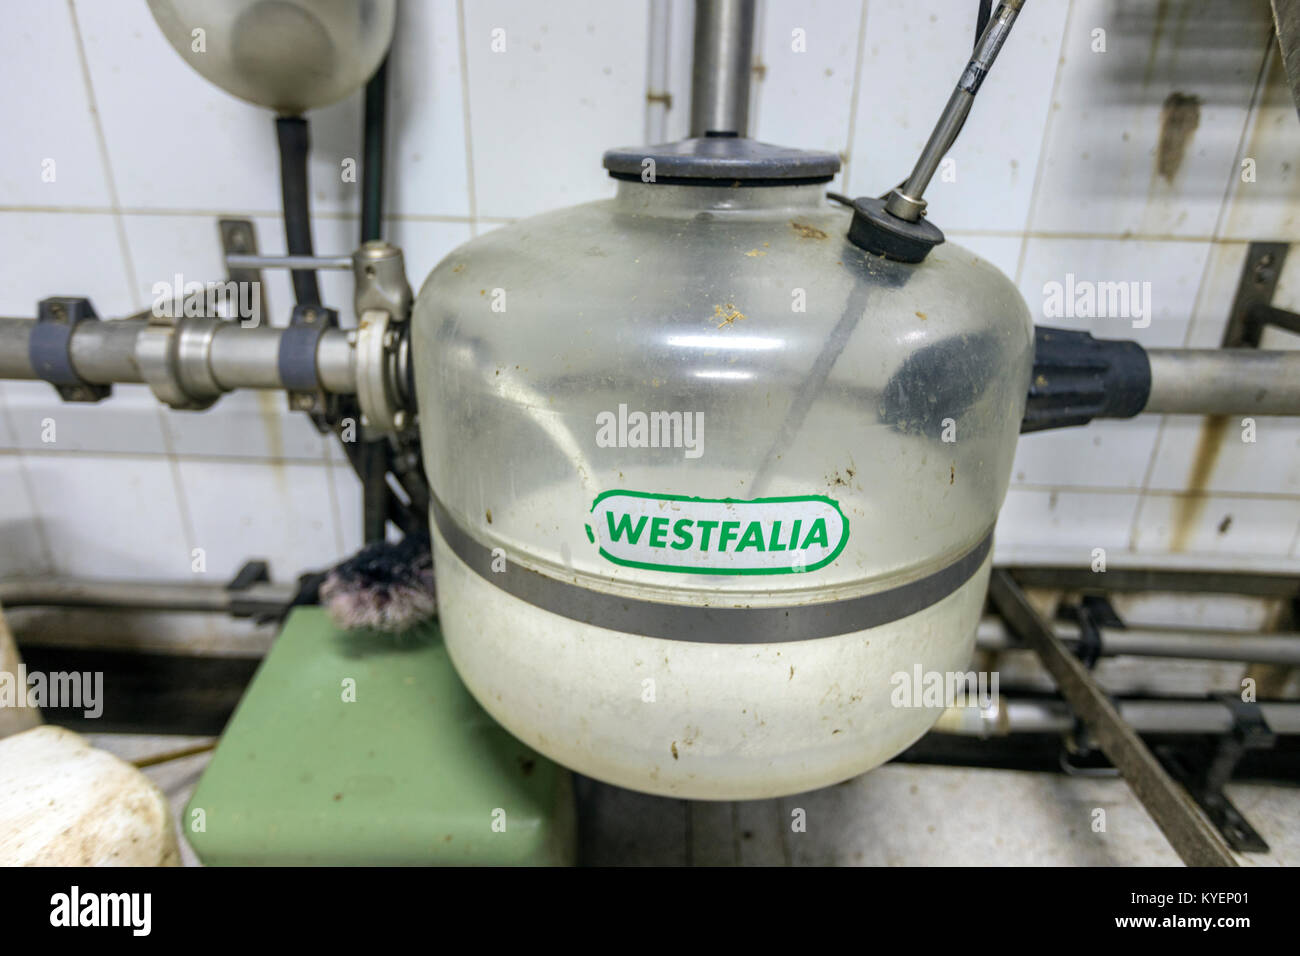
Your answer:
<point x="173" y="359"/>
<point x="904" y="206"/>
<point x="380" y="273"/>
<point x="379" y="347"/>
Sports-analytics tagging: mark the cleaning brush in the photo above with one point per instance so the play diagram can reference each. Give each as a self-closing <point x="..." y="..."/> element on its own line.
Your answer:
<point x="387" y="586"/>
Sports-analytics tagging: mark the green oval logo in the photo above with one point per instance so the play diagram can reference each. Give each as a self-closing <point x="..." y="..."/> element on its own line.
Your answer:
<point x="718" y="535"/>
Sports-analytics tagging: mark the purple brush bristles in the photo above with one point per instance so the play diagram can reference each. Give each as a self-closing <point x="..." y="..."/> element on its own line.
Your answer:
<point x="385" y="587"/>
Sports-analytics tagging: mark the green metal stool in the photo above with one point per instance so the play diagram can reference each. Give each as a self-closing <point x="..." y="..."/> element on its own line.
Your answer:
<point x="364" y="748"/>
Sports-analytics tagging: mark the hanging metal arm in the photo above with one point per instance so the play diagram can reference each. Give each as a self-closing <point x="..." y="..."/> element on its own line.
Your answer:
<point x="720" y="79"/>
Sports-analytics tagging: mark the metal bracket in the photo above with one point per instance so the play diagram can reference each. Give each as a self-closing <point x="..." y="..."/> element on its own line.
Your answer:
<point x="238" y="237"/>
<point x="1179" y="819"/>
<point x="297" y="364"/>
<point x="256" y="571"/>
<point x="1259" y="278"/>
<point x="1080" y="755"/>
<point x="1205" y="783"/>
<point x="1092" y="613"/>
<point x="379" y="271"/>
<point x="49" y="347"/>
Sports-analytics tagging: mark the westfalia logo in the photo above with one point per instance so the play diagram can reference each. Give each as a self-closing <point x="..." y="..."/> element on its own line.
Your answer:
<point x="718" y="535"/>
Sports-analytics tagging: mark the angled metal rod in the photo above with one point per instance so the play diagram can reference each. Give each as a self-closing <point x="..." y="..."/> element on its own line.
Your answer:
<point x="1193" y="838"/>
<point x="906" y="202"/>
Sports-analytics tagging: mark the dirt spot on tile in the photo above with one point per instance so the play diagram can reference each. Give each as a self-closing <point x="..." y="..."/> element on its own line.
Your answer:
<point x="1179" y="117"/>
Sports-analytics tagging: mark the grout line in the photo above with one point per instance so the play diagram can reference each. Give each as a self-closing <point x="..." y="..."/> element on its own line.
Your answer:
<point x="464" y="99"/>
<point x="339" y="215"/>
<point x="182" y="499"/>
<point x="102" y="144"/>
<point x="1158" y="492"/>
<point x="853" y="98"/>
<point x="1295" y="541"/>
<point x="133" y="288"/>
<point x="506" y="220"/>
<point x="1091" y="236"/>
<point x="24" y="475"/>
<point x="52" y="453"/>
<point x="319" y="462"/>
<point x="336" y="510"/>
<point x="757" y="81"/>
<point x="646" y="105"/>
<point x="38" y="519"/>
<point x="1042" y="146"/>
<point x="1250" y="123"/>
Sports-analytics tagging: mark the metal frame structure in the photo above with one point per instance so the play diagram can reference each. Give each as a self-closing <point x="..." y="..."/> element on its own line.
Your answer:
<point x="1185" y="800"/>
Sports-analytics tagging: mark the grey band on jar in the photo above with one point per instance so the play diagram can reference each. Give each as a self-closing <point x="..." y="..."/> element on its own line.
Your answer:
<point x="711" y="625"/>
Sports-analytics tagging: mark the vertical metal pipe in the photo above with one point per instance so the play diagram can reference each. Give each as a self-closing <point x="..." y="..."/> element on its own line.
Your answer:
<point x="724" y="53"/>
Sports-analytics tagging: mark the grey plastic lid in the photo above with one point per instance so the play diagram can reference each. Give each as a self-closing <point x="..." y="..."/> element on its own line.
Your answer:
<point x="720" y="161"/>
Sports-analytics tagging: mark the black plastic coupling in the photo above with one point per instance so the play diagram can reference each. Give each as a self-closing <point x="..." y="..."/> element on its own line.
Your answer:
<point x="1078" y="378"/>
<point x="49" y="348"/>
<point x="878" y="231"/>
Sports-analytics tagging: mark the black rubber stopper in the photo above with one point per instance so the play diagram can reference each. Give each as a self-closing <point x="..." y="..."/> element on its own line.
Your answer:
<point x="881" y="233"/>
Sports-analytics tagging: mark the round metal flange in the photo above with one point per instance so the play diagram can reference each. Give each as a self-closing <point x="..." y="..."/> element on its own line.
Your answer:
<point x="158" y="352"/>
<point x="374" y="378"/>
<point x="193" y="351"/>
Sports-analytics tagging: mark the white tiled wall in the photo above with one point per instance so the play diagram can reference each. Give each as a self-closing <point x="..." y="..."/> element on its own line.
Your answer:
<point x="1056" y="173"/>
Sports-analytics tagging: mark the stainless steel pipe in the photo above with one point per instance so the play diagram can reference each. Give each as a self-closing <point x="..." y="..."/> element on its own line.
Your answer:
<point x="140" y="595"/>
<point x="245" y="260"/>
<point x="1209" y="645"/>
<point x="1224" y="382"/>
<point x="105" y="353"/>
<point x="723" y="65"/>
<point x="1030" y="716"/>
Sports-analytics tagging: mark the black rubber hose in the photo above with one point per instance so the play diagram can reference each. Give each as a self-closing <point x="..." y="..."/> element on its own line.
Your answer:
<point x="295" y="192"/>
<point x="372" y="161"/>
<point x="375" y="457"/>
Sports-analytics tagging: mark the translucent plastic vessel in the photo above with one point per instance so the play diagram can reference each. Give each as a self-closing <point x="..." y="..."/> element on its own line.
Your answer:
<point x="289" y="55"/>
<point x="709" y="478"/>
